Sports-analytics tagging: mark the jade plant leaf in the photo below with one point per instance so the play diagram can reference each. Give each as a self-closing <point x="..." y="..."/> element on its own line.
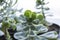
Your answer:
<point x="5" y="24"/>
<point x="30" y="15"/>
<point x="33" y="16"/>
<point x="50" y="35"/>
<point x="35" y="38"/>
<point x="31" y="27"/>
<point x="16" y="19"/>
<point x="36" y="21"/>
<point x="22" y="19"/>
<point x="31" y="32"/>
<point x="13" y="26"/>
<point x="42" y="38"/>
<point x="19" y="27"/>
<point x="38" y="2"/>
<point x="27" y="13"/>
<point x="41" y="28"/>
<point x="20" y="35"/>
<point x="40" y="17"/>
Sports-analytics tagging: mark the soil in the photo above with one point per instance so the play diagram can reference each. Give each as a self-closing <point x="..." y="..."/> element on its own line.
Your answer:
<point x="54" y="27"/>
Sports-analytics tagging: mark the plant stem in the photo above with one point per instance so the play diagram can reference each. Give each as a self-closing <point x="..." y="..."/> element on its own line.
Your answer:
<point x="42" y="8"/>
<point x="8" y="37"/>
<point x="30" y="37"/>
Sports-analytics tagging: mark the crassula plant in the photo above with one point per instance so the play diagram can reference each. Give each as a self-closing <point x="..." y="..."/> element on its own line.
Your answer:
<point x="30" y="27"/>
<point x="6" y="19"/>
<point x="43" y="9"/>
<point x="41" y="5"/>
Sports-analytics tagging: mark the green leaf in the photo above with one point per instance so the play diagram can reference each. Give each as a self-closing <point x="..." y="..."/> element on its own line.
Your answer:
<point x="40" y="17"/>
<point x="36" y="21"/>
<point x="42" y="38"/>
<point x="31" y="32"/>
<point x="13" y="26"/>
<point x="31" y="27"/>
<point x="20" y="35"/>
<point x="26" y="28"/>
<point x="30" y="15"/>
<point x="35" y="38"/>
<point x="40" y="28"/>
<point x="16" y="20"/>
<point x="22" y="19"/>
<point x="30" y="38"/>
<point x="33" y="16"/>
<point x="50" y="35"/>
<point x="20" y="26"/>
<point x="5" y="24"/>
<point x="38" y="2"/>
<point x="27" y="13"/>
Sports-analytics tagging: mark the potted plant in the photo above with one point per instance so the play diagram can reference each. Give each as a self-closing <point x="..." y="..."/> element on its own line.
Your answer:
<point x="28" y="26"/>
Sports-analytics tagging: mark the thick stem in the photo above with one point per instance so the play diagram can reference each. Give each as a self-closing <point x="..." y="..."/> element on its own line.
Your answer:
<point x="42" y="8"/>
<point x="8" y="37"/>
<point x="30" y="38"/>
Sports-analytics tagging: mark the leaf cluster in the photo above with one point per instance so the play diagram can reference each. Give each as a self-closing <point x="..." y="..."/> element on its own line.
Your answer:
<point x="30" y="26"/>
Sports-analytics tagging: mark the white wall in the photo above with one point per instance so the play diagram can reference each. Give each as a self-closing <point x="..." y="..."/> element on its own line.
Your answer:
<point x="54" y="6"/>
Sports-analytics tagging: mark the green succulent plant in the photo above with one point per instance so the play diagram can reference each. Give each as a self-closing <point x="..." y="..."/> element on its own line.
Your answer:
<point x="6" y="24"/>
<point x="40" y="4"/>
<point x="30" y="27"/>
<point x="7" y="21"/>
